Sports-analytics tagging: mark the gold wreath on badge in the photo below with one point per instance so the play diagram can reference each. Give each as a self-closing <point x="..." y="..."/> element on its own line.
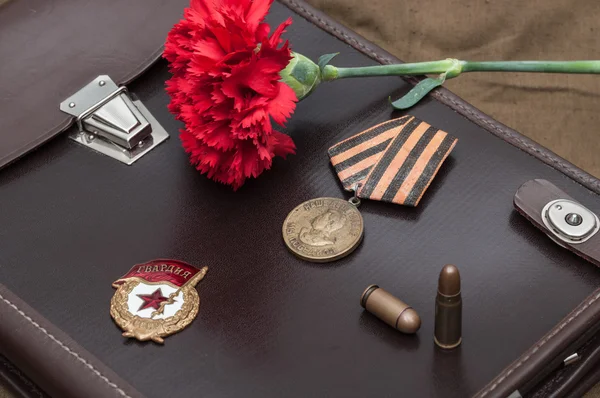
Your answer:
<point x="156" y="299"/>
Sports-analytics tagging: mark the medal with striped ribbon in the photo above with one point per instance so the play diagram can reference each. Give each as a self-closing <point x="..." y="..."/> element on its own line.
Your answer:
<point x="394" y="162"/>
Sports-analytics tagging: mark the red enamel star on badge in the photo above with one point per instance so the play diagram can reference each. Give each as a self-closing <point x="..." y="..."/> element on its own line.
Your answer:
<point x="152" y="300"/>
<point x="166" y="291"/>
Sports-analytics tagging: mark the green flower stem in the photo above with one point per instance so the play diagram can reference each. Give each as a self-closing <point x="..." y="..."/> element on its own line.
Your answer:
<point x="454" y="67"/>
<point x="331" y="72"/>
<point x="533" y="66"/>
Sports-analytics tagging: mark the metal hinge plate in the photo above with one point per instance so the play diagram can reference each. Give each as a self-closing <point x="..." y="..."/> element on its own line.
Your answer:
<point x="111" y="122"/>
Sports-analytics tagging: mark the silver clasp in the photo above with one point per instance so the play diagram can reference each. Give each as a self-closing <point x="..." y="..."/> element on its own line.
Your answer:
<point x="571" y="359"/>
<point x="569" y="221"/>
<point x="111" y="122"/>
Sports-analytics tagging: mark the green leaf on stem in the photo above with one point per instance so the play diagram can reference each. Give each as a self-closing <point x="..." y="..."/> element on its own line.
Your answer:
<point x="419" y="91"/>
<point x="324" y="60"/>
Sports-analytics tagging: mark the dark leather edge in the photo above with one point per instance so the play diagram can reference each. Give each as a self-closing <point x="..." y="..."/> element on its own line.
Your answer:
<point x="68" y="120"/>
<point x="529" y="201"/>
<point x="52" y="359"/>
<point x="552" y="377"/>
<point x="582" y="317"/>
<point x="565" y="379"/>
<point x="16" y="382"/>
<point x="585" y="384"/>
<point x="557" y="341"/>
<point x="446" y="97"/>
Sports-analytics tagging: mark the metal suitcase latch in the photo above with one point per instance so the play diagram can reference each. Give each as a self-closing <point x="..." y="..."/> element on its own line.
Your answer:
<point x="569" y="221"/>
<point x="111" y="122"/>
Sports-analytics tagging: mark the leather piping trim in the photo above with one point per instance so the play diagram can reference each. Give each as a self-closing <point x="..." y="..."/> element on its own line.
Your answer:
<point x="68" y="121"/>
<point x="586" y="304"/>
<point x="67" y="349"/>
<point x="586" y="368"/>
<point x="446" y="97"/>
<point x="585" y="384"/>
<point x="79" y="358"/>
<point x="511" y="136"/>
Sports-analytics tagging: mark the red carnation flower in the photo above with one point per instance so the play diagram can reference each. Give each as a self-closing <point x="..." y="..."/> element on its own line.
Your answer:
<point x="226" y="88"/>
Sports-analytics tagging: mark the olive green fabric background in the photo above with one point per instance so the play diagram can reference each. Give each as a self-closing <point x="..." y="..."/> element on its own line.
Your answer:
<point x="558" y="111"/>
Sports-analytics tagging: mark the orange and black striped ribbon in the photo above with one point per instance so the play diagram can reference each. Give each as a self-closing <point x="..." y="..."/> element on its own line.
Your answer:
<point x="394" y="161"/>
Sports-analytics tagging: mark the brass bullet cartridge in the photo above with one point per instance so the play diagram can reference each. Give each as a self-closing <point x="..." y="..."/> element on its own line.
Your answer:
<point x="448" y="309"/>
<point x="390" y="309"/>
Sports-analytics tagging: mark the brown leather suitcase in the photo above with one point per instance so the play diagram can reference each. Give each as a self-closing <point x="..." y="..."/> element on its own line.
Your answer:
<point x="73" y="220"/>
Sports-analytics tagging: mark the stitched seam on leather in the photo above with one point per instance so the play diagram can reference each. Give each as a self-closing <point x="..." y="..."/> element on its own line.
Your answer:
<point x="490" y="126"/>
<point x="67" y="349"/>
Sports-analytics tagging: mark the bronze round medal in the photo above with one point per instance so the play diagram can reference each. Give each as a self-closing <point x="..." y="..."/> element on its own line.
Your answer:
<point x="323" y="229"/>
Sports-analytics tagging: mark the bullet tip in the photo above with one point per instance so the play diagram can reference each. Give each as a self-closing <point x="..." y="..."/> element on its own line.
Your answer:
<point x="409" y="321"/>
<point x="449" y="282"/>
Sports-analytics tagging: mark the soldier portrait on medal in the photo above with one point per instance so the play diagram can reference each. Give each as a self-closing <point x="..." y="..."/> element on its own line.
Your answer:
<point x="322" y="229"/>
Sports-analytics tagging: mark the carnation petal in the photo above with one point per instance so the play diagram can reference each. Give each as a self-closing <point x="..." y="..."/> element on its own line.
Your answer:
<point x="263" y="84"/>
<point x="226" y="92"/>
<point x="283" y="105"/>
<point x="209" y="48"/>
<point x="208" y="10"/>
<point x="282" y="144"/>
<point x="219" y="137"/>
<point x="223" y="37"/>
<point x="253" y="117"/>
<point x="264" y="153"/>
<point x="257" y="12"/>
<point x="262" y="32"/>
<point x="276" y="36"/>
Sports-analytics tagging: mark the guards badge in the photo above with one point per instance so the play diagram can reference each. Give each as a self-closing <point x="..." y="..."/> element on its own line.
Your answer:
<point x="156" y="299"/>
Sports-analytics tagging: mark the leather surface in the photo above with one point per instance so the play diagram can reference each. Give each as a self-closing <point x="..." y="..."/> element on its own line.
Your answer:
<point x="566" y="379"/>
<point x="52" y="48"/>
<point x="270" y="324"/>
<point x="51" y="358"/>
